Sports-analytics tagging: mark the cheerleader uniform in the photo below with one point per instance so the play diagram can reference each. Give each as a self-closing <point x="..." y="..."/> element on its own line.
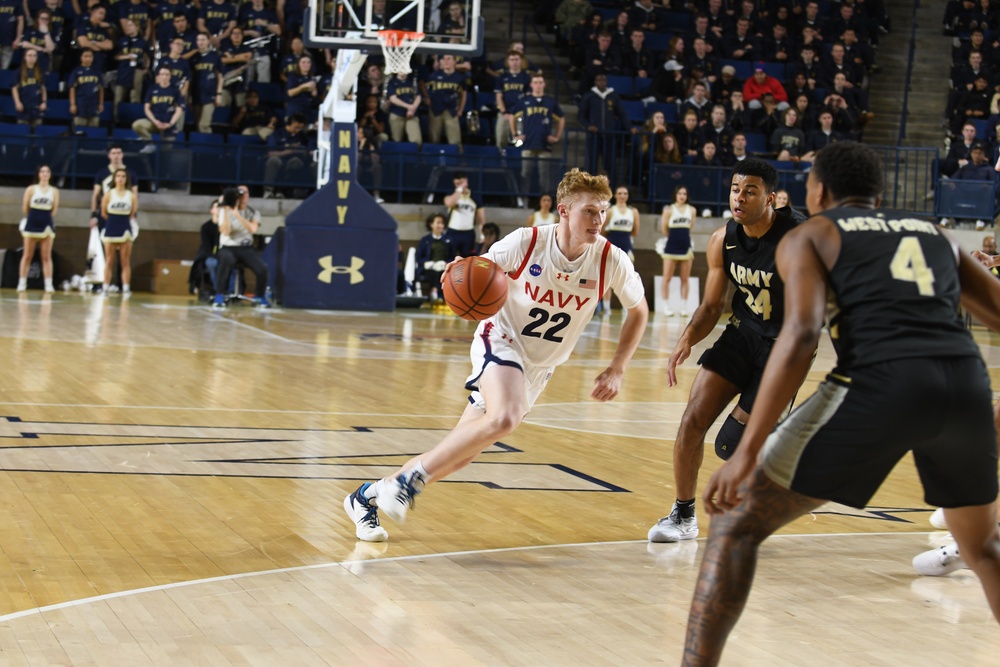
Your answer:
<point x="540" y="220"/>
<point x="678" y="244"/>
<point x="118" y="228"/>
<point x="39" y="223"/>
<point x="619" y="229"/>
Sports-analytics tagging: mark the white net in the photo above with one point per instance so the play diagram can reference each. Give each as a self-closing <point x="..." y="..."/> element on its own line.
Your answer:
<point x="398" y="47"/>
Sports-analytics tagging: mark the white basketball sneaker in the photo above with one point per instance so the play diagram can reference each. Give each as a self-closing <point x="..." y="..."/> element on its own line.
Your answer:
<point x="397" y="495"/>
<point x="937" y="519"/>
<point x="939" y="562"/>
<point x="365" y="517"/>
<point x="672" y="528"/>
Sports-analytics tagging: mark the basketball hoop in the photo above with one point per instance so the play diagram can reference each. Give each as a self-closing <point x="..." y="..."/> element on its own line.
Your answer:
<point x="398" y="47"/>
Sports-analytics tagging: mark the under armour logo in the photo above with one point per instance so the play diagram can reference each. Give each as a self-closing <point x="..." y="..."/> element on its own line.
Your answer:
<point x="354" y="270"/>
<point x="562" y="276"/>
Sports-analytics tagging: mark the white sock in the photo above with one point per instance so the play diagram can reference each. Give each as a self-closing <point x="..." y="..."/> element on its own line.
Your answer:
<point x="22" y="284"/>
<point x="419" y="474"/>
<point x="371" y="493"/>
<point x="48" y="283"/>
<point x="126" y="288"/>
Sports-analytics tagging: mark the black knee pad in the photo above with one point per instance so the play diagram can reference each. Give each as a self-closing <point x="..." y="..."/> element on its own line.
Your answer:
<point x="729" y="436"/>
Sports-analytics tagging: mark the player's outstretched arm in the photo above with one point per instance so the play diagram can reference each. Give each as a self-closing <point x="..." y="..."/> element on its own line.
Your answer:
<point x="706" y="316"/>
<point x="608" y="383"/>
<point x="805" y="278"/>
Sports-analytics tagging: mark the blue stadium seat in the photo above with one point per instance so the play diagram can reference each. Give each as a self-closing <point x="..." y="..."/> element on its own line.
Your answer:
<point x="14" y="130"/>
<point x="642" y="85"/>
<point x="485" y="101"/>
<point x="777" y="70"/>
<point x="756" y="142"/>
<point x="981" y="127"/>
<point x="669" y="110"/>
<point x="743" y="69"/>
<point x="52" y="82"/>
<point x="399" y="147"/>
<point x="129" y="112"/>
<point x="57" y="110"/>
<point x="623" y="85"/>
<point x="657" y="41"/>
<point x="125" y="134"/>
<point x="678" y="22"/>
<point x="783" y="165"/>
<point x="448" y="154"/>
<point x="636" y="111"/>
<point x="7" y="106"/>
<point x="205" y="139"/>
<point x="50" y="130"/>
<point x="8" y="79"/>
<point x="245" y="139"/>
<point x="94" y="132"/>
<point x="222" y="116"/>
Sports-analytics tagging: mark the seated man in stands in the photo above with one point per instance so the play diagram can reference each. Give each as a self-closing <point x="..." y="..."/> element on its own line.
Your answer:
<point x="164" y="111"/>
<point x="254" y="119"/>
<point x="974" y="104"/>
<point x="288" y="154"/>
<point x="820" y="138"/>
<point x="978" y="167"/>
<point x="960" y="152"/>
<point x="760" y="84"/>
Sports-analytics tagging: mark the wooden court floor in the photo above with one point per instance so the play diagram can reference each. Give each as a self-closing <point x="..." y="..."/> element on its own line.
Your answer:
<point x="171" y="486"/>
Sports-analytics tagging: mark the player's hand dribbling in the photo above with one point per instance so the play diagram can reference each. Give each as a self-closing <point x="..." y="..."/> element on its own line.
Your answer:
<point x="677" y="357"/>
<point x="723" y="491"/>
<point x="448" y="266"/>
<point x="607" y="385"/>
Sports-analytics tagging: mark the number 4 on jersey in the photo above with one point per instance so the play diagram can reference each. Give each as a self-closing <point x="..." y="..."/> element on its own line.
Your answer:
<point x="910" y="265"/>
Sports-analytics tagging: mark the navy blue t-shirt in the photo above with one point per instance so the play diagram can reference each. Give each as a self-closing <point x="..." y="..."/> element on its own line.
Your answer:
<point x="88" y="82"/>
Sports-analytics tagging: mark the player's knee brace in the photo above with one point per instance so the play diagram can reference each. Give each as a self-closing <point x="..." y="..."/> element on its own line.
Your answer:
<point x="729" y="436"/>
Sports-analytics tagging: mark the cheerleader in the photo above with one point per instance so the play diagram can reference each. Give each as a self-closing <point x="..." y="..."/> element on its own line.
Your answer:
<point x="675" y="224"/>
<point x="544" y="215"/>
<point x="622" y="226"/>
<point x="41" y="201"/>
<point x="119" y="208"/>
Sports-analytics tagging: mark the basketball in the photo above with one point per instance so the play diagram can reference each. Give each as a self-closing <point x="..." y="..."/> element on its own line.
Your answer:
<point x="475" y="288"/>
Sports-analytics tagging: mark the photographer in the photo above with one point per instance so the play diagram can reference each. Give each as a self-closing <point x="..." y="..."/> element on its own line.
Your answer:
<point x="236" y="245"/>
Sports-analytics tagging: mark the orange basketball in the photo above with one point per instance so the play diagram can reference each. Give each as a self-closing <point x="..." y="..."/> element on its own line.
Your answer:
<point x="475" y="288"/>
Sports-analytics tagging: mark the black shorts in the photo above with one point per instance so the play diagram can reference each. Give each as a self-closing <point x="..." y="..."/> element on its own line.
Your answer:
<point x="739" y="355"/>
<point x="843" y="441"/>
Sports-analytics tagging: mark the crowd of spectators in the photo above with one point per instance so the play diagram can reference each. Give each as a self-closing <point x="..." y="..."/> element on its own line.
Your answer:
<point x="806" y="66"/>
<point x="794" y="71"/>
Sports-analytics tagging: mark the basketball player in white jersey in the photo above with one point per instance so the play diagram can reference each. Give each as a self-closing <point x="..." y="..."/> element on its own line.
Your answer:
<point x="557" y="274"/>
<point x="465" y="217"/>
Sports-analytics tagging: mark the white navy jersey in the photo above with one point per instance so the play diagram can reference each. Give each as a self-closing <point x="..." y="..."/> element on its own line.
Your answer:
<point x="542" y="220"/>
<point x="120" y="204"/>
<point x="42" y="200"/>
<point x="463" y="214"/>
<point x="680" y="216"/>
<point x="620" y="221"/>
<point x="551" y="299"/>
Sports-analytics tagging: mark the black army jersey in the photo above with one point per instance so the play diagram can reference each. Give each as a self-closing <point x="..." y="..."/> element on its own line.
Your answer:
<point x="759" y="302"/>
<point x="897" y="290"/>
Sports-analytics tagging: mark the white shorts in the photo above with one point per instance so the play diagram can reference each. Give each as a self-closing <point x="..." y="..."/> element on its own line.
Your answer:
<point x="489" y="348"/>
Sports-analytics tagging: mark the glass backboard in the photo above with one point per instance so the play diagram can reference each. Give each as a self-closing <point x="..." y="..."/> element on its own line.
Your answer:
<point x="449" y="26"/>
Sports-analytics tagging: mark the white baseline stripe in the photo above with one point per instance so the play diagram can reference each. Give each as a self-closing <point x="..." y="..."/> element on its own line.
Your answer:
<point x="394" y="559"/>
